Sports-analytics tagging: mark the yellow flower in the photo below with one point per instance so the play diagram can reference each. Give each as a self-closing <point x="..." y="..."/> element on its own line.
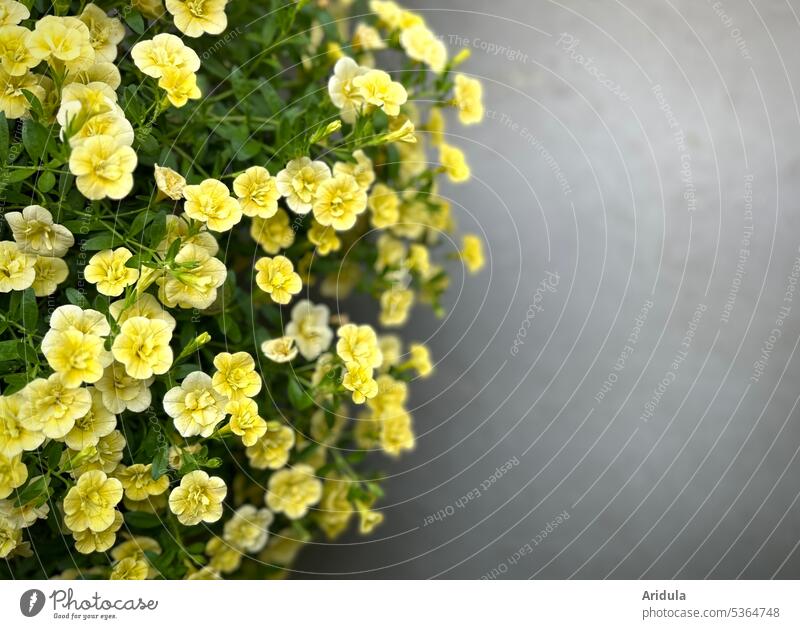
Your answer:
<point x="13" y="102"/>
<point x="211" y="203"/>
<point x="367" y="38"/>
<point x="12" y="474"/>
<point x="12" y="12"/>
<point x="257" y="191"/>
<point x="103" y="168"/>
<point x="10" y="538"/>
<point x="391" y="348"/>
<point x="89" y="541"/>
<point x="153" y="9"/>
<point x="90" y="503"/>
<point x="309" y="328"/>
<point x="97" y="422"/>
<point x="195" y="17"/>
<point x="298" y="182"/>
<point x="194" y="280"/>
<point x="420" y="359"/>
<point x="130" y="569"/>
<point x="121" y="392"/>
<point x="105" y="455"/>
<point x="274" y="233"/>
<point x="17" y="270"/>
<point x="362" y="169"/>
<point x="385" y="206"/>
<point x="198" y="498"/>
<point x="136" y="548"/>
<point x="169" y="183"/>
<point x="104" y="32"/>
<point x="145" y="306"/>
<point x="436" y="126"/>
<point x="98" y="72"/>
<point x="395" y="306"/>
<point x="107" y="269"/>
<point x="54" y="406"/>
<point x="454" y="163"/>
<point x="342" y="92"/>
<point x="35" y="232"/>
<point x="50" y="272"/>
<point x="279" y="350"/>
<point x="422" y="45"/>
<point x="396" y="432"/>
<point x="359" y="344"/>
<point x="154" y="56"/>
<point x="377" y="88"/>
<point x="293" y="491"/>
<point x="276" y="277"/>
<point x="236" y="377"/>
<point x="368" y="520"/>
<point x="142" y="345"/>
<point x="469" y="99"/>
<point x="472" y="253"/>
<point x="70" y="317"/>
<point x="248" y="530"/>
<point x="15" y="57"/>
<point x="245" y="420"/>
<point x="180" y="85"/>
<point x="338" y="202"/>
<point x="138" y="483"/>
<point x="76" y="356"/>
<point x="178" y="227"/>
<point x="324" y="238"/>
<point x="401" y="129"/>
<point x="335" y="509"/>
<point x="271" y="451"/>
<point x="223" y="558"/>
<point x="62" y="40"/>
<point x="358" y="379"/>
<point x="195" y="406"/>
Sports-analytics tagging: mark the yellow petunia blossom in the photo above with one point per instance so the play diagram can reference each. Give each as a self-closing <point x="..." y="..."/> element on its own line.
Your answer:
<point x="435" y="126"/>
<point x="257" y="191"/>
<point x="276" y="277"/>
<point x="89" y="541"/>
<point x="359" y="344"/>
<point x="472" y="253"/>
<point x="338" y="202"/>
<point x="121" y="392"/>
<point x="145" y="306"/>
<point x="245" y="421"/>
<point x="391" y="347"/>
<point x="293" y="491"/>
<point x="180" y="85"/>
<point x="77" y="357"/>
<point x="142" y="345"/>
<point x="198" y="498"/>
<point x="12" y="474"/>
<point x="136" y="547"/>
<point x="90" y="503"/>
<point x="107" y="270"/>
<point x="396" y="432"/>
<point x="104" y="32"/>
<point x="271" y="451"/>
<point x="343" y="93"/>
<point x="12" y="12"/>
<point x="358" y="379"/>
<point x="362" y="169"/>
<point x="54" y="406"/>
<point x="420" y="359"/>
<point x="169" y="182"/>
<point x="71" y="317"/>
<point x="138" y="483"/>
<point x="130" y="569"/>
<point x="35" y="232"/>
<point x="324" y="238"/>
<point x="194" y="280"/>
<point x="298" y="182"/>
<point x="50" y="272"/>
<point x="274" y="233"/>
<point x="13" y="102"/>
<point x="105" y="455"/>
<point x="97" y="422"/>
<point x="178" y="227"/>
<point x="62" y="40"/>
<point x="103" y="168"/>
<point x="248" y="530"/>
<point x="195" y="406"/>
<point x="454" y="163"/>
<point x="97" y="72"/>
<point x="391" y="394"/>
<point x="309" y="328"/>
<point x="395" y="306"/>
<point x="153" y="9"/>
<point x="211" y="203"/>
<point x="10" y="538"/>
<point x="280" y="350"/>
<point x="163" y="52"/>
<point x="15" y="57"/>
<point x="377" y="88"/>
<point x="421" y="44"/>
<point x="468" y="94"/>
<point x="385" y="206"/>
<point x="17" y="269"/>
<point x="335" y="510"/>
<point x="223" y="557"/>
<point x="236" y="375"/>
<point x="195" y="17"/>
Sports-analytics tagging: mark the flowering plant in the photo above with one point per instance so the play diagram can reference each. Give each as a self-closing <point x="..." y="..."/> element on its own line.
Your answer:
<point x="184" y="186"/>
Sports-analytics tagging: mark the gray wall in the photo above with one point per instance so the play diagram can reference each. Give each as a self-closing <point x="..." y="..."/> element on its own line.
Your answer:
<point x="679" y="203"/>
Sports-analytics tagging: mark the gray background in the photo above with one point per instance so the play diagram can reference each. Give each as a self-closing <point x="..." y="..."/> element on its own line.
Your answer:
<point x="573" y="179"/>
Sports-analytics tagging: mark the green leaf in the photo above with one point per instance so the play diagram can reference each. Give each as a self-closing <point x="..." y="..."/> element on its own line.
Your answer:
<point x="35" y="138"/>
<point x="46" y="182"/>
<point x="97" y="243"/>
<point x="30" y="310"/>
<point x="298" y="396"/>
<point x="8" y="350"/>
<point x="33" y="490"/>
<point x="77" y="298"/>
<point x="158" y="229"/>
<point x="20" y="174"/>
<point x="160" y="461"/>
<point x="142" y="520"/>
<point x="135" y="20"/>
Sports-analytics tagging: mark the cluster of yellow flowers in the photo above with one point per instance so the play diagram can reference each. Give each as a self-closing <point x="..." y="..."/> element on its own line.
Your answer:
<point x="119" y="407"/>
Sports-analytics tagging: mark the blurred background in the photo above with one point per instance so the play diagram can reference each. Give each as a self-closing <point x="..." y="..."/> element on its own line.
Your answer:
<point x="616" y="394"/>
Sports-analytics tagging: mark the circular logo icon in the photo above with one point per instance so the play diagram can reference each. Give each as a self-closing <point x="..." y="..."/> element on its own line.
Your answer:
<point x="31" y="602"/>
